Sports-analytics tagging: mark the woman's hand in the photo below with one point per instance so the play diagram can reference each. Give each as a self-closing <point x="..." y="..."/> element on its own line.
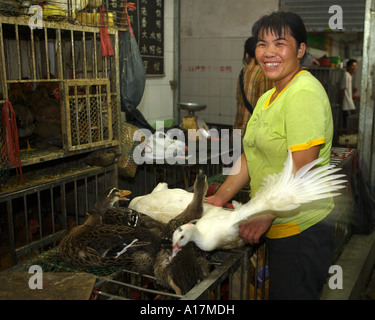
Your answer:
<point x="214" y="200"/>
<point x="254" y="228"/>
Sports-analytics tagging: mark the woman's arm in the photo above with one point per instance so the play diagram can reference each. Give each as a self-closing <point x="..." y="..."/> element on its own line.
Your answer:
<point x="303" y="157"/>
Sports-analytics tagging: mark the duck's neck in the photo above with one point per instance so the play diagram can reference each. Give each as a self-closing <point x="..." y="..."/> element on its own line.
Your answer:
<point x="198" y="238"/>
<point x="103" y="207"/>
<point x="196" y="205"/>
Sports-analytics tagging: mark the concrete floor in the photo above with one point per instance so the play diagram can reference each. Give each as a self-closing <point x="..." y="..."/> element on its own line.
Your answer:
<point x="357" y="262"/>
<point x="369" y="293"/>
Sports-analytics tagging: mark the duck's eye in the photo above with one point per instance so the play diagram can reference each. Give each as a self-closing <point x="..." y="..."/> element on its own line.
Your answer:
<point x="182" y="237"/>
<point x="110" y="192"/>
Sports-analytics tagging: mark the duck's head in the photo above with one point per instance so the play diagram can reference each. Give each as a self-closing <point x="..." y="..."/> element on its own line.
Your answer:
<point x="181" y="237"/>
<point x="109" y="198"/>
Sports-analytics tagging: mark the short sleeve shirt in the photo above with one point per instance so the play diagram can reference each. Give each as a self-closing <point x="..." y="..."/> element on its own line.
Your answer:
<point x="346" y="84"/>
<point x="299" y="118"/>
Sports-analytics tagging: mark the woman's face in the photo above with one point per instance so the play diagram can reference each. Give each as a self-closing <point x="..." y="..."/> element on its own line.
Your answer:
<point x="279" y="56"/>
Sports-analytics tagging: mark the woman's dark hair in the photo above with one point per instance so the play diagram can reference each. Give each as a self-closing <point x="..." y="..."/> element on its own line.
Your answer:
<point x="249" y="48"/>
<point x="278" y="22"/>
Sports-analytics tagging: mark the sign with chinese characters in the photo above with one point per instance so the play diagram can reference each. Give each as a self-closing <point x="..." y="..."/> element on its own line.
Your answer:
<point x="147" y="22"/>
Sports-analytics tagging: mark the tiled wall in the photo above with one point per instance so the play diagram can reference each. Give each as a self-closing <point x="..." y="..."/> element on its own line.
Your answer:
<point x="212" y="37"/>
<point x="209" y="71"/>
<point x="211" y="47"/>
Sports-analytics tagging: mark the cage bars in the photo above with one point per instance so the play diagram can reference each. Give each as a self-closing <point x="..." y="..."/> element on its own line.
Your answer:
<point x="68" y="52"/>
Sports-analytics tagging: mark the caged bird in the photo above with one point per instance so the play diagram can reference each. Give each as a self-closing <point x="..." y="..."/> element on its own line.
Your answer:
<point x="184" y="271"/>
<point x="190" y="265"/>
<point x="20" y="96"/>
<point x="25" y="120"/>
<point x="194" y="209"/>
<point x="107" y="201"/>
<point x="99" y="245"/>
<point x="122" y="215"/>
<point x="280" y="193"/>
<point x="175" y="200"/>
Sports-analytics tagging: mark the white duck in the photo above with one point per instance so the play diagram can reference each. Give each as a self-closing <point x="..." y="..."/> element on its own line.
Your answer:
<point x="280" y="193"/>
<point x="164" y="204"/>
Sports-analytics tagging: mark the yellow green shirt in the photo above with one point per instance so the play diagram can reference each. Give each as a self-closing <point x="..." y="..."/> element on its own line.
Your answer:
<point x="299" y="118"/>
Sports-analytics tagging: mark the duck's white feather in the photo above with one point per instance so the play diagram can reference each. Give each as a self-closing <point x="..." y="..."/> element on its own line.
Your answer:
<point x="163" y="204"/>
<point x="280" y="193"/>
<point x="288" y="191"/>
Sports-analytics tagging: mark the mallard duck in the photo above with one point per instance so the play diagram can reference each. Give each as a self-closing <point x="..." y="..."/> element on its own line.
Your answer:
<point x="280" y="193"/>
<point x="109" y="198"/>
<point x="95" y="244"/>
<point x="189" y="266"/>
<point x="122" y="215"/>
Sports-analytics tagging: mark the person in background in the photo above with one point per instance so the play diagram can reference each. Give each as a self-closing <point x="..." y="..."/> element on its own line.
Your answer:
<point x="346" y="92"/>
<point x="251" y="84"/>
<point x="294" y="115"/>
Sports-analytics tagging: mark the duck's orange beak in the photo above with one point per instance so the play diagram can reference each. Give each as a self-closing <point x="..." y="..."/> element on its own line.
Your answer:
<point x="123" y="194"/>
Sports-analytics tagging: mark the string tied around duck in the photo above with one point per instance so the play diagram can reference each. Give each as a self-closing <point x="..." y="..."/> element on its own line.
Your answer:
<point x="10" y="137"/>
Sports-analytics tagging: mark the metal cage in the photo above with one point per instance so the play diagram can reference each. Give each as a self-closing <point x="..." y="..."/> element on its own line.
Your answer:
<point x="59" y="76"/>
<point x="36" y="217"/>
<point x="60" y="203"/>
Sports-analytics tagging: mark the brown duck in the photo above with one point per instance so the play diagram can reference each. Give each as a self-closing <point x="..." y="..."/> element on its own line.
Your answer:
<point x="124" y="216"/>
<point x="95" y="244"/>
<point x="189" y="266"/>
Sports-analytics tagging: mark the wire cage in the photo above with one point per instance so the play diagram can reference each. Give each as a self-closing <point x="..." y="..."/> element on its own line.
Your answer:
<point x="63" y="92"/>
<point x="110" y="13"/>
<point x="38" y="216"/>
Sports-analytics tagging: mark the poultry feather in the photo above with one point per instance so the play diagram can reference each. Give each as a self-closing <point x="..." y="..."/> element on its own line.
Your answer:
<point x="25" y="120"/>
<point x="174" y="202"/>
<point x="47" y="111"/>
<point x="109" y="198"/>
<point x="280" y="193"/>
<point x="95" y="244"/>
<point x="184" y="271"/>
<point x="189" y="266"/>
<point x="194" y="209"/>
<point x="122" y="215"/>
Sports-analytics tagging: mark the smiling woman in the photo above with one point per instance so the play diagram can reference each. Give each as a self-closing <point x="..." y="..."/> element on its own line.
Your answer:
<point x="280" y="49"/>
<point x="296" y="114"/>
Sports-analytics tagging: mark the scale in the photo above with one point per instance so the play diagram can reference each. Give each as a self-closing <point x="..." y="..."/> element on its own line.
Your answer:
<point x="192" y="121"/>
